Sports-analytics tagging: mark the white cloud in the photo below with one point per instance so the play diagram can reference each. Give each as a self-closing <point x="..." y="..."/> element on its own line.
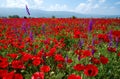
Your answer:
<point x="22" y="3"/>
<point x="86" y="7"/>
<point x="57" y="7"/>
<point x="16" y="3"/>
<point x="37" y="3"/>
<point x="2" y="3"/>
<point x="89" y="6"/>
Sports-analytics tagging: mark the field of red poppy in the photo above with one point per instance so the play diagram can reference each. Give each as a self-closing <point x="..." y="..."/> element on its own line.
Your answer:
<point x="59" y="48"/>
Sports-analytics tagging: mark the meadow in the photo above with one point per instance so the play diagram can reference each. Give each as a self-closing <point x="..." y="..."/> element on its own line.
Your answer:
<point x="59" y="48"/>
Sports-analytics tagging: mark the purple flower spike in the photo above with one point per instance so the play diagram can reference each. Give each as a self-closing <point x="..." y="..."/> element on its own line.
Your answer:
<point x="110" y="35"/>
<point x="93" y="41"/>
<point x="24" y="27"/>
<point x="27" y="9"/>
<point x="90" y="25"/>
<point x="31" y="35"/>
<point x="110" y="44"/>
<point x="117" y="42"/>
<point x="43" y="29"/>
<point x="34" y="51"/>
<point x="80" y="43"/>
<point x="66" y="59"/>
<point x="93" y="51"/>
<point x="110" y="38"/>
<point x="79" y="58"/>
<point x="28" y="26"/>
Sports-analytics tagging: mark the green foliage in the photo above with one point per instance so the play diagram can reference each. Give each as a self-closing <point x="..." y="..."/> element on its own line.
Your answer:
<point x="14" y="16"/>
<point x="53" y="17"/>
<point x="74" y="17"/>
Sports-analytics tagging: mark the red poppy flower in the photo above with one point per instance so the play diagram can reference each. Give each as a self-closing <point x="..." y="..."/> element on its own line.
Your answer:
<point x="69" y="61"/>
<point x="3" y="73"/>
<point x="118" y="54"/>
<point x="59" y="57"/>
<point x="38" y="75"/>
<point x="77" y="34"/>
<point x="51" y="52"/>
<point x="21" y="46"/>
<point x="17" y="64"/>
<point x="103" y="37"/>
<point x="78" y="67"/>
<point x="95" y="60"/>
<point x="60" y="65"/>
<point x="78" y="52"/>
<point x="3" y="62"/>
<point x="36" y="61"/>
<point x="40" y="53"/>
<point x="85" y="53"/>
<point x="73" y="76"/>
<point x="103" y="59"/>
<point x="18" y="76"/>
<point x="45" y="68"/>
<point x="13" y="55"/>
<point x="9" y="75"/>
<point x="91" y="70"/>
<point x="1" y="47"/>
<point x="26" y="57"/>
<point x="111" y="49"/>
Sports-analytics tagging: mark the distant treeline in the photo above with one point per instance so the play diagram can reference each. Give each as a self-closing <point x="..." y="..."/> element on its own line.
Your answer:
<point x="74" y="17"/>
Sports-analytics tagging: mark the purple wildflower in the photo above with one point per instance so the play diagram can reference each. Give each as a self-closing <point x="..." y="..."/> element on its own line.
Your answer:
<point x="80" y="43"/>
<point x="93" y="51"/>
<point x="90" y="25"/>
<point x="110" y="35"/>
<point x="110" y="38"/>
<point x="34" y="51"/>
<point x="110" y="44"/>
<point x="66" y="58"/>
<point x="31" y="35"/>
<point x="117" y="42"/>
<point x="28" y="26"/>
<point x="43" y="29"/>
<point x="24" y="27"/>
<point x="93" y="41"/>
<point x="79" y="58"/>
<point x="27" y="9"/>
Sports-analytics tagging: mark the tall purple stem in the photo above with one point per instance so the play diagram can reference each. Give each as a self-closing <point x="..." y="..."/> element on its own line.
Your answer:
<point x="31" y="35"/>
<point x="66" y="59"/>
<point x="90" y="26"/>
<point x="27" y="9"/>
<point x="117" y="42"/>
<point x="110" y="38"/>
<point x="34" y="51"/>
<point x="24" y="28"/>
<point x="80" y="43"/>
<point x="43" y="29"/>
<point x="79" y="58"/>
<point x="93" y="51"/>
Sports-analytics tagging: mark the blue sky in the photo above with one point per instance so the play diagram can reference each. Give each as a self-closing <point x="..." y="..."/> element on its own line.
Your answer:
<point x="109" y="7"/>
